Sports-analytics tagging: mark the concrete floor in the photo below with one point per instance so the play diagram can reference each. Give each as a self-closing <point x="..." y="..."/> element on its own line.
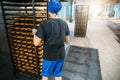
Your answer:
<point x="99" y="36"/>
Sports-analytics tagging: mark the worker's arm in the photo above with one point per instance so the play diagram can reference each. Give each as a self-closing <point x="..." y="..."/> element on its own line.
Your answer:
<point x="67" y="38"/>
<point x="67" y="33"/>
<point x="36" y="40"/>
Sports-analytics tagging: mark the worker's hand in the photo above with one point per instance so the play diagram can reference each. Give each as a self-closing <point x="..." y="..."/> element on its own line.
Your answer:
<point x="34" y="31"/>
<point x="48" y="0"/>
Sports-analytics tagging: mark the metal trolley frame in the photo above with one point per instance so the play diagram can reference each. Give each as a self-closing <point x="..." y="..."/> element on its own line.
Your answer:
<point x="20" y="17"/>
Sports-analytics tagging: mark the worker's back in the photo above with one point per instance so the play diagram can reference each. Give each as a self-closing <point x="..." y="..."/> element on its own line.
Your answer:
<point x="54" y="32"/>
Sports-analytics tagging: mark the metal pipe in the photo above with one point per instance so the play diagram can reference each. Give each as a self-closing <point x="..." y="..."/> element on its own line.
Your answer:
<point x="36" y="48"/>
<point x="34" y="18"/>
<point x="37" y="60"/>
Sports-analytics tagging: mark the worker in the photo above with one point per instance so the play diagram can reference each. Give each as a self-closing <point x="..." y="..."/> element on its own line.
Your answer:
<point x="54" y="32"/>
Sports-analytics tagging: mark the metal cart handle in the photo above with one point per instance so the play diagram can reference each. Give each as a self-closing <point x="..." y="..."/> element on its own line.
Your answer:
<point x="37" y="60"/>
<point x="36" y="48"/>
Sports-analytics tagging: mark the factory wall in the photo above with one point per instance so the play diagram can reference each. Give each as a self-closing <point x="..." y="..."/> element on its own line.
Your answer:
<point x="117" y="10"/>
<point x="113" y="10"/>
<point x="66" y="10"/>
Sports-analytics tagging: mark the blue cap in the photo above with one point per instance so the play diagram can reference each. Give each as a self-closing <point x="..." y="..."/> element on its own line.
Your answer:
<point x="54" y="6"/>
